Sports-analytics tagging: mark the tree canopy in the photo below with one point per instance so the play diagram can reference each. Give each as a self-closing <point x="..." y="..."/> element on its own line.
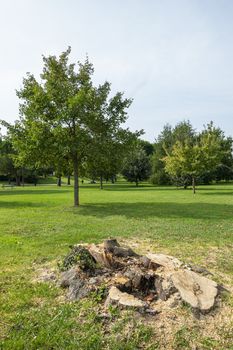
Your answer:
<point x="184" y="136"/>
<point x="195" y="156"/>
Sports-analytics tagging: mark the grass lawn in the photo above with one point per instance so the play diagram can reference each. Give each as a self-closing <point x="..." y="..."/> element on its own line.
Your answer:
<point x="37" y="225"/>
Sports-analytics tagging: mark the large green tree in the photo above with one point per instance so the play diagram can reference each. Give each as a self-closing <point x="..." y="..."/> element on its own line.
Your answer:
<point x="59" y="114"/>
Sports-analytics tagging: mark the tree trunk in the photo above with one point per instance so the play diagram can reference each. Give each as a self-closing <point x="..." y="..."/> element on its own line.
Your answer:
<point x="68" y="180"/>
<point x="17" y="180"/>
<point x="136" y="182"/>
<point x="59" y="181"/>
<point x="23" y="177"/>
<point x="76" y="184"/>
<point x="101" y="181"/>
<point x="193" y="185"/>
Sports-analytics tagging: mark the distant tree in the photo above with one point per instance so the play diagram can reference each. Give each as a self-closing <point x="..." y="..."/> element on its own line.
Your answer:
<point x="168" y="137"/>
<point x="137" y="166"/>
<point x="195" y="157"/>
<point x="106" y="155"/>
<point x="147" y="146"/>
<point x="104" y="162"/>
<point x="7" y="166"/>
<point x="158" y="174"/>
<point x="183" y="131"/>
<point x="224" y="171"/>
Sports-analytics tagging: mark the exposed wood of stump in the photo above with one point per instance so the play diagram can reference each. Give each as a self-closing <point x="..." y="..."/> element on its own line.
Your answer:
<point x="138" y="281"/>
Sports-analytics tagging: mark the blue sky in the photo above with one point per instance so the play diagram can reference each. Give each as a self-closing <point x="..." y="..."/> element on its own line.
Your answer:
<point x="173" y="57"/>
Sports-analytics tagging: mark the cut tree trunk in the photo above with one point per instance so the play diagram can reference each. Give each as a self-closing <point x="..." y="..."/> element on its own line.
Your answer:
<point x="76" y="184"/>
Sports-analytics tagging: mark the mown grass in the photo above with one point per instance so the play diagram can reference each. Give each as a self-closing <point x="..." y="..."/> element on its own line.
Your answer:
<point x="37" y="225"/>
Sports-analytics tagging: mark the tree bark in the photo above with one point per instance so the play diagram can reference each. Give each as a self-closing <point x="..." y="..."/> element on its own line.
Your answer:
<point x="76" y="184"/>
<point x="68" y="180"/>
<point x="194" y="185"/>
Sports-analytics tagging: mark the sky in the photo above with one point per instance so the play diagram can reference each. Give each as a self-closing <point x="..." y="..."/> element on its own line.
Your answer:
<point x="173" y="57"/>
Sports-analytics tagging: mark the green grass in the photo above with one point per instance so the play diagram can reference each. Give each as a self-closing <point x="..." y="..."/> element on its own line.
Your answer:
<point x="37" y="225"/>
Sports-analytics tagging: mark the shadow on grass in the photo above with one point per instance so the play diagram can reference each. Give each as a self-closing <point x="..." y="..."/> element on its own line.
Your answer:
<point x="19" y="204"/>
<point x="143" y="210"/>
<point x="217" y="193"/>
<point x="111" y="187"/>
<point x="121" y="187"/>
<point x="14" y="192"/>
<point x="139" y="188"/>
<point x="172" y="188"/>
<point x="148" y="187"/>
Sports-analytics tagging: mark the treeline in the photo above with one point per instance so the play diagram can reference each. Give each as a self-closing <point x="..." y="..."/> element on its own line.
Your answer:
<point x="69" y="127"/>
<point x="180" y="156"/>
